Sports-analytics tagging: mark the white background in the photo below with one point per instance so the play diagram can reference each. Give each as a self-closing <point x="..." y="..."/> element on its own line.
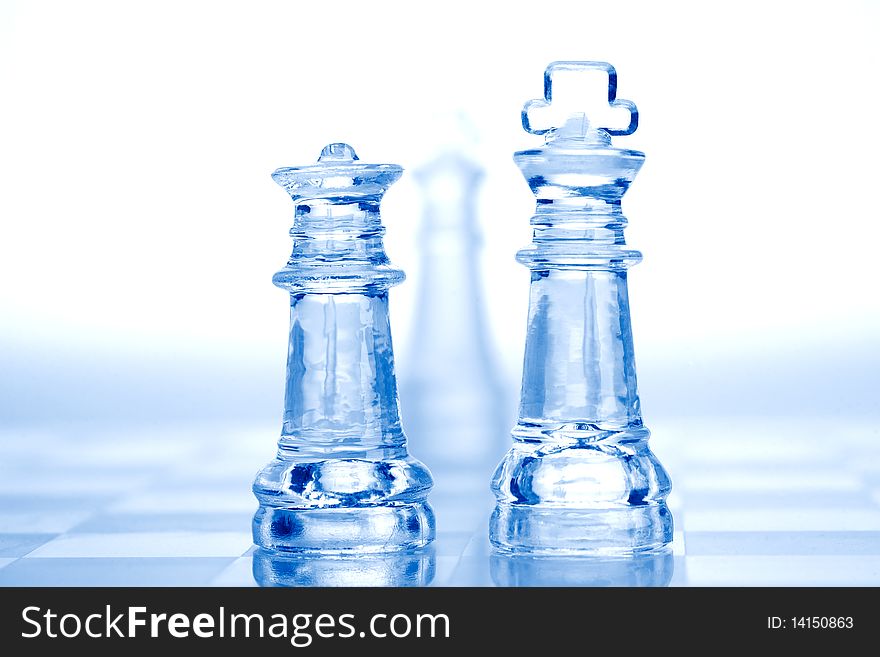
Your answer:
<point x="140" y="227"/>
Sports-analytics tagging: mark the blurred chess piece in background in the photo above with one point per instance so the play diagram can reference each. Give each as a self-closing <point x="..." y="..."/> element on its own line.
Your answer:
<point x="456" y="415"/>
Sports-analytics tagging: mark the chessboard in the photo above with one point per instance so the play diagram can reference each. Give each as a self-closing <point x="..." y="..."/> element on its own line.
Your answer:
<point x="756" y="501"/>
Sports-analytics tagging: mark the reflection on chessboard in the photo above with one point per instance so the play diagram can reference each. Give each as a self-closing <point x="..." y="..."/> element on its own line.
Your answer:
<point x="406" y="568"/>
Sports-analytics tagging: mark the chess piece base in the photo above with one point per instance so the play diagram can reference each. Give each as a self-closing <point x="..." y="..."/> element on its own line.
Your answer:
<point x="602" y="532"/>
<point x="344" y="530"/>
<point x="603" y="497"/>
<point x="343" y="505"/>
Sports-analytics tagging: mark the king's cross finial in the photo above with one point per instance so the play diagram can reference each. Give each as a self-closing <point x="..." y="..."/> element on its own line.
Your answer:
<point x="582" y="97"/>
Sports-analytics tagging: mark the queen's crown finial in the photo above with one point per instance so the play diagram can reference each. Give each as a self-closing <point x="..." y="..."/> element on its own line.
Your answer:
<point x="580" y="104"/>
<point x="337" y="178"/>
<point x="337" y="152"/>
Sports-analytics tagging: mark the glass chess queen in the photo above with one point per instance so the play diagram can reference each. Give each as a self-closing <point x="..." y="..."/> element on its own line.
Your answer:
<point x="343" y="480"/>
<point x="580" y="477"/>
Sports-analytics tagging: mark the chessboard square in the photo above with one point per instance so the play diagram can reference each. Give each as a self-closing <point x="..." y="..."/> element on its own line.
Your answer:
<point x="782" y="543"/>
<point x="18" y="545"/>
<point x="239" y="573"/>
<point x="783" y="570"/>
<point x="790" y="520"/>
<point x="167" y="571"/>
<point x="107" y="523"/>
<point x="144" y="544"/>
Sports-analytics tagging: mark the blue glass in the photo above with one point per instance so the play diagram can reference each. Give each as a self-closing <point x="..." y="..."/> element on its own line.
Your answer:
<point x="342" y="480"/>
<point x="580" y="477"/>
<point x="649" y="568"/>
<point x="402" y="568"/>
<point x="456" y="415"/>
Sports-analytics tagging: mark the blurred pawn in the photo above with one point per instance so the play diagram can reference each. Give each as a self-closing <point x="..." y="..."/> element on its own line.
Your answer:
<point x="456" y="416"/>
<point x="406" y="568"/>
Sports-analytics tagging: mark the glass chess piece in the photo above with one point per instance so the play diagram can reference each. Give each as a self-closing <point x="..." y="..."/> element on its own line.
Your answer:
<point x="343" y="480"/>
<point x="451" y="389"/>
<point x="580" y="477"/>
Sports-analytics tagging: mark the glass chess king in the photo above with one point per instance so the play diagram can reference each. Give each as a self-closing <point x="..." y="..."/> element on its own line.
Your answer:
<point x="580" y="477"/>
<point x="343" y="480"/>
